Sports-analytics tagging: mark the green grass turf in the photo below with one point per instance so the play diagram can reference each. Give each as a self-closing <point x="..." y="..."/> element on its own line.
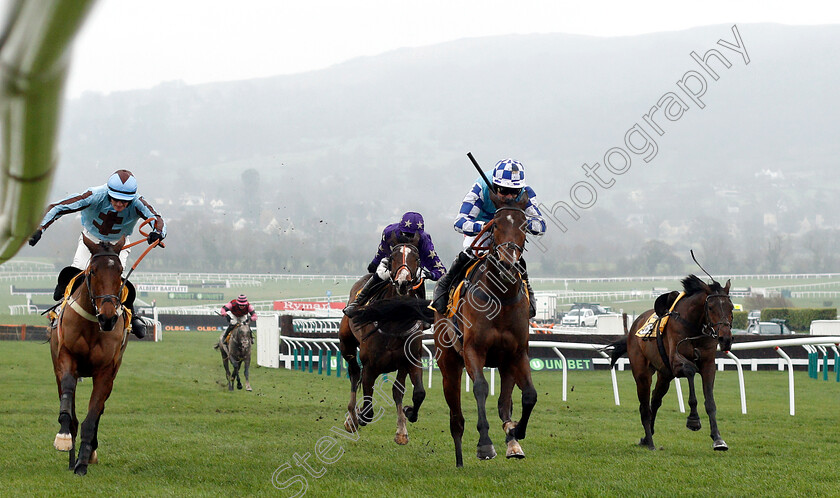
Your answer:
<point x="172" y="429"/>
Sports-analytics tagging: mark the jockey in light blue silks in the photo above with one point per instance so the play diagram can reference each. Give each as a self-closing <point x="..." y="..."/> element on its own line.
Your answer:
<point x="109" y="212"/>
<point x="410" y="229"/>
<point x="508" y="178"/>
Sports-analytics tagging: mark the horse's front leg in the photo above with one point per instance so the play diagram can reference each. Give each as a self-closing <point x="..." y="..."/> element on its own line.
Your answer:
<point x="69" y="424"/>
<point x="451" y="366"/>
<point x="708" y="376"/>
<point x="227" y="370"/>
<point x="522" y="376"/>
<point x="514" y="450"/>
<point x="693" y="419"/>
<point x="247" y="374"/>
<point x="401" y="437"/>
<point x="481" y="389"/>
<point x="415" y="372"/>
<point x="348" y="352"/>
<point x="237" y="363"/>
<point x="103" y="383"/>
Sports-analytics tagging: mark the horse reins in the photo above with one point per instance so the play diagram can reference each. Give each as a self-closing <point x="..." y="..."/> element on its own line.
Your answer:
<point x="115" y="298"/>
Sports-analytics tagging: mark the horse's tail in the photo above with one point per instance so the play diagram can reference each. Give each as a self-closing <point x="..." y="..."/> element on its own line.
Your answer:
<point x="397" y="309"/>
<point x="619" y="347"/>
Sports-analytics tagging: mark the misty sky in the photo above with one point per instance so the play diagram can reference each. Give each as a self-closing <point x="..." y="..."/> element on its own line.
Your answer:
<point x="139" y="44"/>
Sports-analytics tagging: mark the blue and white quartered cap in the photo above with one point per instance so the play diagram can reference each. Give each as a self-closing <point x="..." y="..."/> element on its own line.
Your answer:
<point x="509" y="173"/>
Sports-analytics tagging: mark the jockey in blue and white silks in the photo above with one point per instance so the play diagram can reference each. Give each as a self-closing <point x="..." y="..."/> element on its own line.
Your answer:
<point x="508" y="178"/>
<point x="109" y="212"/>
<point x="410" y="229"/>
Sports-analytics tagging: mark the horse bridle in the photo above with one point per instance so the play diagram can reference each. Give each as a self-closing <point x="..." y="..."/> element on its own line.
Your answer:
<point x="490" y="226"/>
<point x="104" y="297"/>
<point x="415" y="281"/>
<point x="713" y="327"/>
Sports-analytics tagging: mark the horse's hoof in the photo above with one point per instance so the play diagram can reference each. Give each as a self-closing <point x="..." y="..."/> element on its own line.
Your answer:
<point x="693" y="424"/>
<point x="239" y="386"/>
<point x="410" y="414"/>
<point x="63" y="442"/>
<point x="647" y="444"/>
<point x="514" y="450"/>
<point x="401" y="439"/>
<point x="80" y="469"/>
<point x="349" y="427"/>
<point x="248" y="387"/>
<point x="720" y="445"/>
<point x="486" y="452"/>
<point x="94" y="458"/>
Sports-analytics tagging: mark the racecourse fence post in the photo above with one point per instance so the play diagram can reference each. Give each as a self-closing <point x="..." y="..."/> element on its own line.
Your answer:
<point x="301" y="363"/>
<point x="836" y="371"/>
<point x="294" y="359"/>
<point x="320" y="362"/>
<point x="825" y="365"/>
<point x="329" y="363"/>
<point x="311" y="358"/>
<point x="812" y="365"/>
<point x="338" y="360"/>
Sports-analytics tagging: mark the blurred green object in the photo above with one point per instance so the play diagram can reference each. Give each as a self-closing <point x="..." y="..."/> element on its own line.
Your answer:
<point x="34" y="57"/>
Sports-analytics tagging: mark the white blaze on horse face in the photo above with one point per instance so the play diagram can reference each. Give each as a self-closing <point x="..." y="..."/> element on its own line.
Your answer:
<point x="403" y="275"/>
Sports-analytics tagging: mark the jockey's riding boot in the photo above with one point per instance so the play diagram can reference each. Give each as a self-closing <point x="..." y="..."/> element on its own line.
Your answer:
<point x="138" y="325"/>
<point x="362" y="296"/>
<point x="224" y="337"/>
<point x="64" y="278"/>
<point x="441" y="294"/>
<point x="532" y="304"/>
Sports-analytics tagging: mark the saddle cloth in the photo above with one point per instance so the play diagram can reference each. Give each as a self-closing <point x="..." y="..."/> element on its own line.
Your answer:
<point x="650" y="330"/>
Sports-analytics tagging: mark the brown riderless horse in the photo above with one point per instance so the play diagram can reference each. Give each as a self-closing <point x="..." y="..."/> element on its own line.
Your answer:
<point x="89" y="340"/>
<point x="385" y="336"/>
<point x="698" y="319"/>
<point x="494" y="319"/>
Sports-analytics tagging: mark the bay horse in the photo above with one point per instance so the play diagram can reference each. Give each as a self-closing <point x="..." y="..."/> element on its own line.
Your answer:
<point x="698" y="320"/>
<point x="494" y="319"/>
<point x="385" y="336"/>
<point x="88" y="340"/>
<point x="238" y="353"/>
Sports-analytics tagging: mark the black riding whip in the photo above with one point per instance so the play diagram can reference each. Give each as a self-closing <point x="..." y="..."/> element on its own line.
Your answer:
<point x="480" y="172"/>
<point x="698" y="264"/>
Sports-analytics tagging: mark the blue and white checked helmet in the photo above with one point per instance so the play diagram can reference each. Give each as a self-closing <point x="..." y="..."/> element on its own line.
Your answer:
<point x="509" y="173"/>
<point x="122" y="185"/>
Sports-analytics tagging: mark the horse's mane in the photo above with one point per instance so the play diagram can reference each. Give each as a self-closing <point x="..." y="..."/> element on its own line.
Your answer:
<point x="692" y="285"/>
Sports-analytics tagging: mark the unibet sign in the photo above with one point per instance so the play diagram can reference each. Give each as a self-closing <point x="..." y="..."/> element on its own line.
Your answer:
<point x="538" y="364"/>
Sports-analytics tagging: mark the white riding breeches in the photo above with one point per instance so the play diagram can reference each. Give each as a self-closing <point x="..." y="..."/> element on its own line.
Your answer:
<point x="82" y="256"/>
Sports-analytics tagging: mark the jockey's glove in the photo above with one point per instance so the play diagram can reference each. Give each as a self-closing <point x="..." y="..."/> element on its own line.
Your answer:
<point x="36" y="237"/>
<point x="154" y="236"/>
<point x="372" y="268"/>
<point x="427" y="274"/>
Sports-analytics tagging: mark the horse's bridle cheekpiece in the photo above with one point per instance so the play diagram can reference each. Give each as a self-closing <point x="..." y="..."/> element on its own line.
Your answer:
<point x="105" y="297"/>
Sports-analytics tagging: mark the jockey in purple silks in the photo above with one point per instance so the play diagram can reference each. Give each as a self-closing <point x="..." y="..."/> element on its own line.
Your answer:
<point x="477" y="209"/>
<point x="410" y="229"/>
<point x="108" y="212"/>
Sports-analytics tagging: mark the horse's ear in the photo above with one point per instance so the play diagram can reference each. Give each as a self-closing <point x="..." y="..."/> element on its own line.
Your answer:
<point x="664" y="302"/>
<point x="495" y="199"/>
<point x="91" y="245"/>
<point x="119" y="244"/>
<point x="522" y="203"/>
<point x="726" y="287"/>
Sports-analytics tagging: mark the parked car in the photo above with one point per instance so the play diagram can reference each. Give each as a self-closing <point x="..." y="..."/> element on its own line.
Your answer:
<point x="773" y="327"/>
<point x="581" y="317"/>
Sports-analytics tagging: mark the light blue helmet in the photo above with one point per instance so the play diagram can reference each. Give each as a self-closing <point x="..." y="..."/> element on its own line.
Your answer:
<point x="509" y="173"/>
<point x="122" y="185"/>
